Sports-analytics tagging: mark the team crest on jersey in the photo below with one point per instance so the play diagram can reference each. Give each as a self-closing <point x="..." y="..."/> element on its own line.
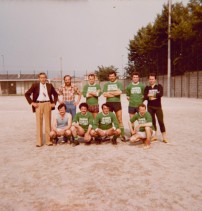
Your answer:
<point x="112" y="87"/>
<point x="136" y="90"/>
<point x="83" y="121"/>
<point x="142" y="121"/>
<point x="106" y="120"/>
<point x="92" y="89"/>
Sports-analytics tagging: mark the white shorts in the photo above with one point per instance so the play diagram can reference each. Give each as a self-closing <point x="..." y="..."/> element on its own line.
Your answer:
<point x="143" y="134"/>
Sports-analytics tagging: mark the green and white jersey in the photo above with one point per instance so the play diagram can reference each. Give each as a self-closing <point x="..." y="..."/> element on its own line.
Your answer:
<point x="142" y="120"/>
<point x="83" y="120"/>
<point x="91" y="88"/>
<point x="136" y="93"/>
<point x="113" y="86"/>
<point x="106" y="121"/>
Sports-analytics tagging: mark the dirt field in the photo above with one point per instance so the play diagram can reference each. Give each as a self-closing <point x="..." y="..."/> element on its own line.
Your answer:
<point x="101" y="177"/>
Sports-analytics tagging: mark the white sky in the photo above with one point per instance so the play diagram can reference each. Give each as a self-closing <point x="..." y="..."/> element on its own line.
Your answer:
<point x="35" y="34"/>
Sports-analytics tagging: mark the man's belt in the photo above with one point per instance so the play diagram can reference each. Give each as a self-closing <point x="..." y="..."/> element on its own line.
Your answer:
<point x="45" y="101"/>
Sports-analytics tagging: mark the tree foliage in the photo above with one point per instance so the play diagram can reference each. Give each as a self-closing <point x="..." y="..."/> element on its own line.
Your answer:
<point x="148" y="49"/>
<point x="102" y="72"/>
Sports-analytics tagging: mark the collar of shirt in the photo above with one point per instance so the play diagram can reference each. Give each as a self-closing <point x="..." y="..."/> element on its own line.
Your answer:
<point x="91" y="84"/>
<point x="135" y="83"/>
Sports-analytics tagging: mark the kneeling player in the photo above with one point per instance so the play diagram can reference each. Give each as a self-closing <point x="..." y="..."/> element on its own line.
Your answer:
<point x="144" y="129"/>
<point x="61" y="125"/>
<point x="106" y="125"/>
<point x="82" y="124"/>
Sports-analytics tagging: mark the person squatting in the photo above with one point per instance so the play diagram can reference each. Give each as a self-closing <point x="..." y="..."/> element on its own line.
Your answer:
<point x="91" y="125"/>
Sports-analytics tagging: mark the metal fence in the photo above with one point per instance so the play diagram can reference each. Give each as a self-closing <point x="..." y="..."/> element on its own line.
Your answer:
<point x="186" y="85"/>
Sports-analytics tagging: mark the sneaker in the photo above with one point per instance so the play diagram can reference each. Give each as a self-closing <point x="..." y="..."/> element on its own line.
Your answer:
<point x="76" y="142"/>
<point x="165" y="141"/>
<point x="98" y="140"/>
<point x="114" y="141"/>
<point x="154" y="138"/>
<point x="55" y="140"/>
<point x="88" y="143"/>
<point x="123" y="139"/>
<point x="65" y="139"/>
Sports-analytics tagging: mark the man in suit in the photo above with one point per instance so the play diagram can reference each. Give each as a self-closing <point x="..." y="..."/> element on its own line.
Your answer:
<point x="42" y="102"/>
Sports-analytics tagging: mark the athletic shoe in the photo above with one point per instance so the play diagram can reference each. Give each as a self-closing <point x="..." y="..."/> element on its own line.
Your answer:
<point x="55" y="140"/>
<point x="165" y="141"/>
<point x="98" y="140"/>
<point x="114" y="141"/>
<point x="76" y="142"/>
<point x="154" y="138"/>
<point x="123" y="139"/>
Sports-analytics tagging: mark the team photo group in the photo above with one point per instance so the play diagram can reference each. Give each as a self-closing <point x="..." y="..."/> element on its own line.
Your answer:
<point x="91" y="123"/>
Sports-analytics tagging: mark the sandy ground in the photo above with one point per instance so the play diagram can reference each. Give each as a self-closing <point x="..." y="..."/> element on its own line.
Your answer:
<point x="101" y="177"/>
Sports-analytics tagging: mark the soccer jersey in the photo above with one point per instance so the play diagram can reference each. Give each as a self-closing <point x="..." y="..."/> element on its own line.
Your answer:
<point x="136" y="93"/>
<point x="91" y="88"/>
<point x="106" y="121"/>
<point x="84" y="120"/>
<point x="157" y="92"/>
<point x="113" y="86"/>
<point x="142" y="120"/>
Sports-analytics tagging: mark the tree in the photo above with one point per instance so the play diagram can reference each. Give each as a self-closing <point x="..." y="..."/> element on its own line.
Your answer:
<point x="148" y="49"/>
<point x="102" y="72"/>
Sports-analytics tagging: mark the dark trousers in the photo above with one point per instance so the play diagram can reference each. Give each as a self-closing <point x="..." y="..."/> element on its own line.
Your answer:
<point x="158" y="112"/>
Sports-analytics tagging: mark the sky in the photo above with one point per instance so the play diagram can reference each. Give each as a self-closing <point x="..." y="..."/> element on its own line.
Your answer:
<point x="70" y="36"/>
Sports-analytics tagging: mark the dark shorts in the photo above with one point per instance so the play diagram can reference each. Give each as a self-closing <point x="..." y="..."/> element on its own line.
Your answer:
<point x="114" y="106"/>
<point x="132" y="110"/>
<point x="93" y="108"/>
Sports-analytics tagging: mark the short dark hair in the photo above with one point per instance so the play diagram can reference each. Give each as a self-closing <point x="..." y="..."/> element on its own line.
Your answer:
<point x="135" y="73"/>
<point x="67" y="76"/>
<point x="112" y="72"/>
<point x="83" y="105"/>
<point x="142" y="105"/>
<point x="152" y="74"/>
<point x="105" y="104"/>
<point x="61" y="106"/>
<point x="42" y="73"/>
<point x="91" y="74"/>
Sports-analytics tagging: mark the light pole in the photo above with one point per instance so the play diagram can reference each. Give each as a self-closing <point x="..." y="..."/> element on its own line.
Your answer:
<point x="169" y="47"/>
<point x="3" y="65"/>
<point x="61" y="69"/>
<point x="122" y="66"/>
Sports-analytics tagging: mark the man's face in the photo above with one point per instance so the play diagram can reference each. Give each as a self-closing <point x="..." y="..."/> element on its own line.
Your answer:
<point x="42" y="78"/>
<point x="142" y="111"/>
<point x="62" y="111"/>
<point x="91" y="80"/>
<point x="152" y="80"/>
<point x="105" y="109"/>
<point x="67" y="81"/>
<point x="135" y="78"/>
<point x="83" y="110"/>
<point x="112" y="77"/>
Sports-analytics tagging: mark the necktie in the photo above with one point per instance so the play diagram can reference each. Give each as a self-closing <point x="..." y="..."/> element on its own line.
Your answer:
<point x="44" y="91"/>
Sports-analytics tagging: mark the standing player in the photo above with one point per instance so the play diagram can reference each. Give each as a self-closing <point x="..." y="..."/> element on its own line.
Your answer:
<point x="135" y="94"/>
<point x="69" y="91"/>
<point x="82" y="124"/>
<point x="144" y="129"/>
<point x="106" y="124"/>
<point x="91" y="92"/>
<point x="112" y="91"/>
<point x="153" y="94"/>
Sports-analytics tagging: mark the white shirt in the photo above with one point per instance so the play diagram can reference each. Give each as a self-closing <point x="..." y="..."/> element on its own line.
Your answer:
<point x="43" y="93"/>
